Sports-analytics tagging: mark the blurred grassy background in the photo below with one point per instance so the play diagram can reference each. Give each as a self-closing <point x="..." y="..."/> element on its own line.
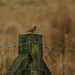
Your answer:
<point x="55" y="20"/>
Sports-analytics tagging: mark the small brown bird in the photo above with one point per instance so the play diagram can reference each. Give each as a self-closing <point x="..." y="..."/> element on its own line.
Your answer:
<point x="32" y="30"/>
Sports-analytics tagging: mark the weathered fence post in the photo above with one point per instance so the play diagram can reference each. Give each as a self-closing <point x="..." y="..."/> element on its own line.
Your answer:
<point x="29" y="60"/>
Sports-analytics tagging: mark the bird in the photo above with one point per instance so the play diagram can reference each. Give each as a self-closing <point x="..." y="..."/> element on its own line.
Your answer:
<point x="32" y="30"/>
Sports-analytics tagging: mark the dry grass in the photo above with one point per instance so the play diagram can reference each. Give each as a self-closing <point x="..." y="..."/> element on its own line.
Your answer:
<point x="55" y="21"/>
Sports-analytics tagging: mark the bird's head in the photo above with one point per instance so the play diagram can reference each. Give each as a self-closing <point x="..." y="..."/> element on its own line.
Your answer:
<point x="35" y="27"/>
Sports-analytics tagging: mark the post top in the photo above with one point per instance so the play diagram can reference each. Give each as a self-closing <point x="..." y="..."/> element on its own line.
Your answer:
<point x="30" y="34"/>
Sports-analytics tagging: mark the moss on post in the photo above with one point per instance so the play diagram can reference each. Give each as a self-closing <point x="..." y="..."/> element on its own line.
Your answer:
<point x="33" y="47"/>
<point x="19" y="65"/>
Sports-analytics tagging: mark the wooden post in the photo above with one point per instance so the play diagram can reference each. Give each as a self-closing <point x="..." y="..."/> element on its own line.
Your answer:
<point x="34" y="48"/>
<point x="30" y="53"/>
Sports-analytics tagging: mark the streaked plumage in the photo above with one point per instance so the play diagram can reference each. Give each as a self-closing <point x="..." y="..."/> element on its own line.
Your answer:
<point x="32" y="30"/>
